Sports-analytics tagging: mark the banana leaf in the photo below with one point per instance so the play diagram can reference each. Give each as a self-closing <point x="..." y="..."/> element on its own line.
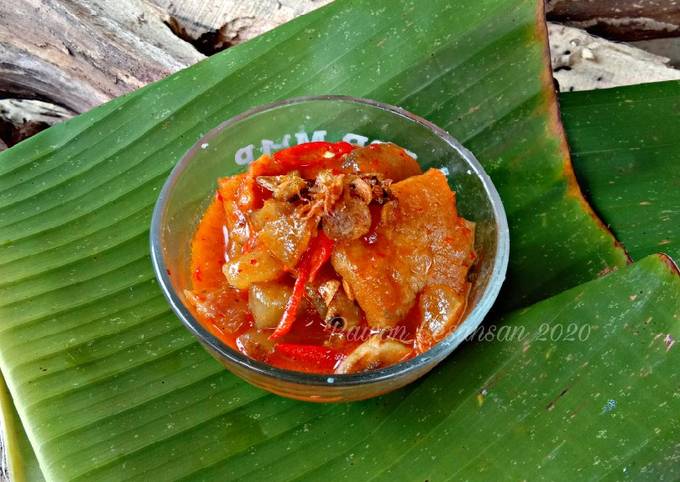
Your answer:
<point x="626" y="151"/>
<point x="108" y="384"/>
<point x="580" y="386"/>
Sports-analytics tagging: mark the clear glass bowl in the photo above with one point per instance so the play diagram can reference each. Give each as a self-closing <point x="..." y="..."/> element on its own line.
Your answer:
<point x="228" y="149"/>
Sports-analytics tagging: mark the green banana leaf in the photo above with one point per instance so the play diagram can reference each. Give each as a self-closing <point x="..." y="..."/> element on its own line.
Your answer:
<point x="109" y="385"/>
<point x="583" y="385"/>
<point x="626" y="150"/>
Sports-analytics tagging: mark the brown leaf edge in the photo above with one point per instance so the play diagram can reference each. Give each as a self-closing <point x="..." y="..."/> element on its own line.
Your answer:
<point x="670" y="263"/>
<point x="557" y="128"/>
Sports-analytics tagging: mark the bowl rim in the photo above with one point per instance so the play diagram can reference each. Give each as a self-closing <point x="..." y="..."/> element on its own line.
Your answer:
<point x="438" y="352"/>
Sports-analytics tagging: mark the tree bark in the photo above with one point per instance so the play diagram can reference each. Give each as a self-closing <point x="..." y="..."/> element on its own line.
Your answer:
<point x="626" y="20"/>
<point x="582" y="61"/>
<point x="80" y="53"/>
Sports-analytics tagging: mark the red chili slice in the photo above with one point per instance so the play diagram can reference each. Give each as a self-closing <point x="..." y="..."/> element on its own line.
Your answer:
<point x="313" y="259"/>
<point x="320" y="252"/>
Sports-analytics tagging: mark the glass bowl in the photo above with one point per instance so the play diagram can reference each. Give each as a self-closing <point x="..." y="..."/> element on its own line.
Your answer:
<point x="228" y="148"/>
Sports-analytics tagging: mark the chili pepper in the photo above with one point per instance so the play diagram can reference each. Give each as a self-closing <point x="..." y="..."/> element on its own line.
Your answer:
<point x="310" y="153"/>
<point x="312" y="260"/>
<point x="320" y="252"/>
<point x="315" y="356"/>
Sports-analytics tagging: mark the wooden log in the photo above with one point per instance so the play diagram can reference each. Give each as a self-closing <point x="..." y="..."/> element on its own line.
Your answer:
<point x="214" y="25"/>
<point x="21" y="118"/>
<point x="626" y="20"/>
<point x="582" y="61"/>
<point x="78" y="54"/>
